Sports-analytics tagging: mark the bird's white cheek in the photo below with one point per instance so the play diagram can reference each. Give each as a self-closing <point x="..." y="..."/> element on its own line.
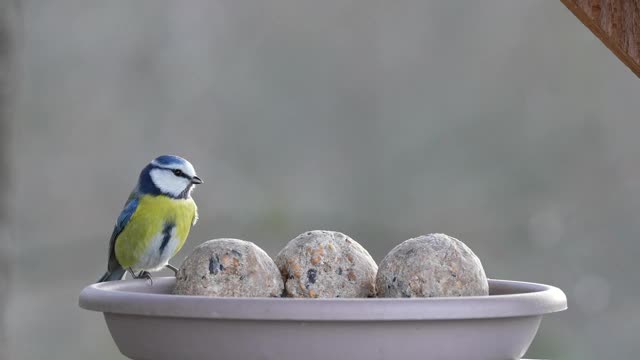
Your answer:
<point x="167" y="182"/>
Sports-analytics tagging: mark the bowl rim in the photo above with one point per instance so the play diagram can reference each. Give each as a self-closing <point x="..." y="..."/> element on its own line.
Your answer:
<point x="529" y="299"/>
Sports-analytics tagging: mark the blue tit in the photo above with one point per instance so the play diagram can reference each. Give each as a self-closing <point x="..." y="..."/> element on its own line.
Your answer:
<point x="155" y="221"/>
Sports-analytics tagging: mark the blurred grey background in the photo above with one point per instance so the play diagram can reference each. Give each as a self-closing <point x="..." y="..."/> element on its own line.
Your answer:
<point x="506" y="124"/>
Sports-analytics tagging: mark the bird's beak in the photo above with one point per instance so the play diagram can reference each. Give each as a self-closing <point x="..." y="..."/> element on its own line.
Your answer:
<point x="196" y="180"/>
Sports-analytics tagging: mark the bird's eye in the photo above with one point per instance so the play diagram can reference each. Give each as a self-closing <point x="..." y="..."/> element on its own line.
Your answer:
<point x="177" y="172"/>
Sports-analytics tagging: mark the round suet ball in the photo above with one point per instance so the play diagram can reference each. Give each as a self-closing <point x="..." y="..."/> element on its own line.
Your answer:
<point x="326" y="264"/>
<point x="229" y="267"/>
<point x="431" y="265"/>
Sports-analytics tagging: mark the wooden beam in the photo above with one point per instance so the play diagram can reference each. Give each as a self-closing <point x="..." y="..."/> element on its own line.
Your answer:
<point x="616" y="23"/>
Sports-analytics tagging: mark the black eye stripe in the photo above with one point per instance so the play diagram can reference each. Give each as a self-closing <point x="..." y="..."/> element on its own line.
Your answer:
<point x="181" y="174"/>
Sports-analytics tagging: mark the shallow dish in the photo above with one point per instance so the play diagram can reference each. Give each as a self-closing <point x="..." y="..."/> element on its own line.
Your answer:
<point x="148" y="323"/>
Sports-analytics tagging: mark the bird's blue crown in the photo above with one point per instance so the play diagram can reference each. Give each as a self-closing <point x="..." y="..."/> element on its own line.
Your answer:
<point x="167" y="160"/>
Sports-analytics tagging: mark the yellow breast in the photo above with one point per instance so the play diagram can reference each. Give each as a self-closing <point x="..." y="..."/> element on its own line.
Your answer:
<point x="149" y="220"/>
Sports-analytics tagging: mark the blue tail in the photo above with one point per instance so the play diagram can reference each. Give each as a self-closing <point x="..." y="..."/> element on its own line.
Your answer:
<point x="117" y="274"/>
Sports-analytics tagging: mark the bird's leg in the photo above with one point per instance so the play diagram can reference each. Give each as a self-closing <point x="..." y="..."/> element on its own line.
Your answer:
<point x="172" y="268"/>
<point x="133" y="274"/>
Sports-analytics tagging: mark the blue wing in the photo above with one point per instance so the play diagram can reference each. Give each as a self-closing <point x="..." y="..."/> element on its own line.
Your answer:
<point x="125" y="215"/>
<point x="122" y="221"/>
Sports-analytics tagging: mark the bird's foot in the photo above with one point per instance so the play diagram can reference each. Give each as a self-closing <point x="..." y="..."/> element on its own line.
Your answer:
<point x="145" y="275"/>
<point x="173" y="268"/>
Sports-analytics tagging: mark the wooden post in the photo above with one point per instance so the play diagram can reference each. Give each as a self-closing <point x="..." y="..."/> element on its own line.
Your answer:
<point x="616" y="23"/>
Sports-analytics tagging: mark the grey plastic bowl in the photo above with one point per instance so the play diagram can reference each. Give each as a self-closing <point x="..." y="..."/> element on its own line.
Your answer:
<point x="147" y="322"/>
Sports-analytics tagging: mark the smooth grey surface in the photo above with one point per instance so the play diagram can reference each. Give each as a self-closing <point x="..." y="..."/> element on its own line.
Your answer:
<point x="148" y="323"/>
